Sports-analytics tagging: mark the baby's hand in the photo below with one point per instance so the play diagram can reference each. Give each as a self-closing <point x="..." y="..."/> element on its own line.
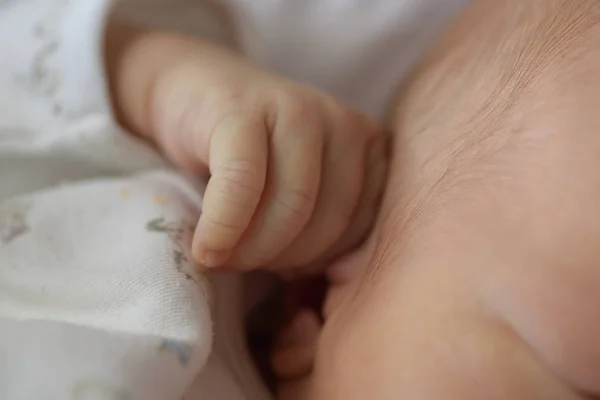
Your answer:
<point x="294" y="175"/>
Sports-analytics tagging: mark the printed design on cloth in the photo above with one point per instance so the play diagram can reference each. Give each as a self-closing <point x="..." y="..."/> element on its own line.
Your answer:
<point x="180" y="234"/>
<point x="13" y="221"/>
<point x="44" y="79"/>
<point x="178" y="348"/>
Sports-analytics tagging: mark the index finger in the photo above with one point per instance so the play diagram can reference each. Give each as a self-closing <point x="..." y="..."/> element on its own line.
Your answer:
<point x="238" y="164"/>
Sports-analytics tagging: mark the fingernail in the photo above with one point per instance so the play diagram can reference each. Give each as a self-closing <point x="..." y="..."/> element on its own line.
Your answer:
<point x="214" y="259"/>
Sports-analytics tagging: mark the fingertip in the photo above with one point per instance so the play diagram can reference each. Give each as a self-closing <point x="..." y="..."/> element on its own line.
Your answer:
<point x="204" y="255"/>
<point x="213" y="259"/>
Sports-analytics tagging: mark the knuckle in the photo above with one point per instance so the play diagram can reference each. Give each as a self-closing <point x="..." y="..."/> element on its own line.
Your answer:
<point x="292" y="99"/>
<point x="298" y="106"/>
<point x="227" y="114"/>
<point x="356" y="128"/>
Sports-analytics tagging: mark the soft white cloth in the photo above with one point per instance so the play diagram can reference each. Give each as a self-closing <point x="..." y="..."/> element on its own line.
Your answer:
<point x="358" y="50"/>
<point x="98" y="296"/>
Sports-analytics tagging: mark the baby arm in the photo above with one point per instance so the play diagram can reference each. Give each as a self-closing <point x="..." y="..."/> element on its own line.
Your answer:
<point x="295" y="177"/>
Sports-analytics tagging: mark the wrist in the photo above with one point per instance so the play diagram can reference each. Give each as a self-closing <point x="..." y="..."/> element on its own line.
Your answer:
<point x="127" y="77"/>
<point x="136" y="60"/>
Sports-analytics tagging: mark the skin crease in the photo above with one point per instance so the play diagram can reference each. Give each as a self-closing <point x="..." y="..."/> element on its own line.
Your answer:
<point x="481" y="279"/>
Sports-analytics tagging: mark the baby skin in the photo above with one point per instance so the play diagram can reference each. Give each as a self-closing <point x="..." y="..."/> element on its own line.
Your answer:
<point x="481" y="278"/>
<point x="295" y="176"/>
